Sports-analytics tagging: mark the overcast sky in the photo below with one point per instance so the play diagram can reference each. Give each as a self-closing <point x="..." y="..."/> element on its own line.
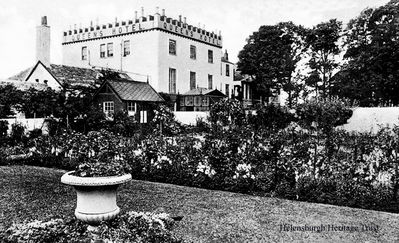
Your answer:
<point x="237" y="19"/>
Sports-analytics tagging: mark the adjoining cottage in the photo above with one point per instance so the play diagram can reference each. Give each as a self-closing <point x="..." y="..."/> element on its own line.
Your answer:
<point x="199" y="99"/>
<point x="125" y="94"/>
<point x="113" y="90"/>
<point x="60" y="77"/>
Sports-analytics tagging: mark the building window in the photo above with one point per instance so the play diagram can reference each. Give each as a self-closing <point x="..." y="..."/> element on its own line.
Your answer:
<point x="193" y="52"/>
<point x="227" y="70"/>
<point x="192" y="80"/>
<point x="110" y="49"/>
<point x="172" y="81"/>
<point x="227" y="90"/>
<point x="126" y="48"/>
<point x="210" y="81"/>
<point x="84" y="53"/>
<point x="102" y="51"/>
<point x="210" y="56"/>
<point x="108" y="107"/>
<point x="172" y="47"/>
<point x="130" y="106"/>
<point x="143" y="116"/>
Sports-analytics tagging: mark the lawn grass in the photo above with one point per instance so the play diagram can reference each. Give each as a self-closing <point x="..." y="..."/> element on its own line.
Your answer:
<point x="209" y="216"/>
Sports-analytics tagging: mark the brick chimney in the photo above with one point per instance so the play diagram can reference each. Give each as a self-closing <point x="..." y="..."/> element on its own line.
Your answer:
<point x="43" y="42"/>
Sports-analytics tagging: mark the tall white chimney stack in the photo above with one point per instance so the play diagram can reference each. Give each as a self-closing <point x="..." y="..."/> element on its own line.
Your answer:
<point x="43" y="42"/>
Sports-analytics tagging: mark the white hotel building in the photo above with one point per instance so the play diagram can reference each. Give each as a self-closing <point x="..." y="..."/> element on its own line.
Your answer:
<point x="172" y="55"/>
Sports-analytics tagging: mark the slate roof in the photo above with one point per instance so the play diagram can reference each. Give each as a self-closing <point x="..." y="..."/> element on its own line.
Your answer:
<point x="21" y="76"/>
<point x="129" y="90"/>
<point x="68" y="75"/>
<point x="203" y="91"/>
<point x="22" y="85"/>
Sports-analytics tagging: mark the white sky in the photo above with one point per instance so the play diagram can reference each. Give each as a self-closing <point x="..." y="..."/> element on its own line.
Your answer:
<point x="237" y="19"/>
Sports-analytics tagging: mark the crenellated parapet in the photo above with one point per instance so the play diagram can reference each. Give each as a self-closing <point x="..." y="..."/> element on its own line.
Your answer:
<point x="142" y="24"/>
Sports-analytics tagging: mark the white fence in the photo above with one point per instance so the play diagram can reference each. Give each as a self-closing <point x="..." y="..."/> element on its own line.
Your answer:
<point x="369" y="119"/>
<point x="190" y="117"/>
<point x="28" y="123"/>
<point x="364" y="119"/>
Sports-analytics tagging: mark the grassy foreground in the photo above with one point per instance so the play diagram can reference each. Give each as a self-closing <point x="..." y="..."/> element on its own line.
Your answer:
<point x="209" y="216"/>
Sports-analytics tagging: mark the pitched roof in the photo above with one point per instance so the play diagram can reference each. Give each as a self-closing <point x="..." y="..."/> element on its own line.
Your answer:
<point x="130" y="90"/>
<point x="68" y="75"/>
<point x="21" y="76"/>
<point x="203" y="91"/>
<point x="22" y="85"/>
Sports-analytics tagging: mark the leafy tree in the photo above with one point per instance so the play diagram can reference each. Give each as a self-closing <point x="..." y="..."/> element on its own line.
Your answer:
<point x="372" y="71"/>
<point x="10" y="98"/>
<point x="270" y="57"/>
<point x="293" y="39"/>
<point x="40" y="103"/>
<point x="322" y="41"/>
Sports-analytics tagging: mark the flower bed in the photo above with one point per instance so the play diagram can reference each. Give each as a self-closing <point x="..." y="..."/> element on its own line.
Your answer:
<point x="128" y="227"/>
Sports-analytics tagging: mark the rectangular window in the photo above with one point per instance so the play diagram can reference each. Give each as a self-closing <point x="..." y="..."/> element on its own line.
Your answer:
<point x="126" y="48"/>
<point x="227" y="91"/>
<point x="102" y="51"/>
<point x="227" y="70"/>
<point x="210" y="56"/>
<point x="210" y="81"/>
<point x="84" y="53"/>
<point x="192" y="80"/>
<point x="130" y="106"/>
<point x="108" y="107"/>
<point x="172" y="47"/>
<point x="143" y="116"/>
<point x="193" y="52"/>
<point x="110" y="49"/>
<point x="172" y="81"/>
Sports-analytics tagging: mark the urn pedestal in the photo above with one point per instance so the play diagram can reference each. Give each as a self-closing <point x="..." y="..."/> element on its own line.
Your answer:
<point x="96" y="196"/>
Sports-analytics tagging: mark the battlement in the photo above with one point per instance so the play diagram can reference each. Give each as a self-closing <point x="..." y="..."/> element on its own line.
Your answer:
<point x="141" y="24"/>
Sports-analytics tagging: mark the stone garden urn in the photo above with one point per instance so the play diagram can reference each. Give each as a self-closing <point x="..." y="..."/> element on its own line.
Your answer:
<point x="96" y="196"/>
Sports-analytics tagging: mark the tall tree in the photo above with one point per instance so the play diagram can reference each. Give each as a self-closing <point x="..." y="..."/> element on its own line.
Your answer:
<point x="293" y="39"/>
<point x="10" y="98"/>
<point x="371" y="75"/>
<point x="270" y="57"/>
<point x="322" y="41"/>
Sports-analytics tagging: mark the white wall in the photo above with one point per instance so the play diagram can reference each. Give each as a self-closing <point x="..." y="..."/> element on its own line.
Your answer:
<point x="143" y="58"/>
<point x="226" y="79"/>
<point x="369" y="119"/>
<point x="190" y="117"/>
<point x="28" y="123"/>
<point x="150" y="53"/>
<point x="184" y="64"/>
<point x="40" y="74"/>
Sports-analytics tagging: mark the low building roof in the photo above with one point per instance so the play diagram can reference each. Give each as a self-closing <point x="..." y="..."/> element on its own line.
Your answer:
<point x="69" y="76"/>
<point x="130" y="90"/>
<point x="204" y="91"/>
<point x="21" y="85"/>
<point x="21" y="76"/>
<point x="72" y="76"/>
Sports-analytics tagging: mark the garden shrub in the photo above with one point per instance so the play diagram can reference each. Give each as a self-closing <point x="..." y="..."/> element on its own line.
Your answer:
<point x="35" y="133"/>
<point x="3" y="129"/>
<point x="271" y="116"/>
<point x="319" y="190"/>
<point x="227" y="112"/>
<point x="323" y="114"/>
<point x="17" y="132"/>
<point x="126" y="227"/>
<point x="165" y="122"/>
